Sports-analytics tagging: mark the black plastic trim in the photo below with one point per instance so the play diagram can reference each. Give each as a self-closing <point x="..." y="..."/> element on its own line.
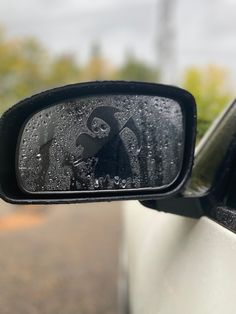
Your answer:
<point x="211" y="190"/>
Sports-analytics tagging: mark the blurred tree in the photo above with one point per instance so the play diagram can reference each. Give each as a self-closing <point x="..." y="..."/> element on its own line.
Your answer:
<point x="210" y="88"/>
<point x="135" y="70"/>
<point x="64" y="70"/>
<point x="97" y="67"/>
<point x="27" y="68"/>
<point x="22" y="67"/>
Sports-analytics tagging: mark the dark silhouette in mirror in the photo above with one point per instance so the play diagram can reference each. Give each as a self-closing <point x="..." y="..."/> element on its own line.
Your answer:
<point x="105" y="142"/>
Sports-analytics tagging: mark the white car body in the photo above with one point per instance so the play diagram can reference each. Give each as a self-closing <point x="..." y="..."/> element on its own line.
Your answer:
<point x="178" y="265"/>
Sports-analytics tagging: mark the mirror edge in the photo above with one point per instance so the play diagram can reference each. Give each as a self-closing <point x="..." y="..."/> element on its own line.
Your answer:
<point x="13" y="119"/>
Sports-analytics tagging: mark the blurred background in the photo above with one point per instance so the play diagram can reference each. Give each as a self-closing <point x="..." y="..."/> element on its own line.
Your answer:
<point x="63" y="259"/>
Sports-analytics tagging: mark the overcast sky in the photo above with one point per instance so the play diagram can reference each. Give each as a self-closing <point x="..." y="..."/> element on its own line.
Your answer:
<point x="205" y="29"/>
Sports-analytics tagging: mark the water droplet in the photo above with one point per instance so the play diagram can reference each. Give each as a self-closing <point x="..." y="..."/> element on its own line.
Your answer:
<point x="103" y="127"/>
<point x="96" y="183"/>
<point x="116" y="180"/>
<point x="123" y="184"/>
<point x="38" y="156"/>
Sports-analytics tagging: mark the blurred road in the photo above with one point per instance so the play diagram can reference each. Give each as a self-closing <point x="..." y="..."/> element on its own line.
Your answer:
<point x="59" y="259"/>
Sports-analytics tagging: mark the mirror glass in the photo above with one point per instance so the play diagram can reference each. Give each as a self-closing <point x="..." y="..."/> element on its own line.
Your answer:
<point x="102" y="143"/>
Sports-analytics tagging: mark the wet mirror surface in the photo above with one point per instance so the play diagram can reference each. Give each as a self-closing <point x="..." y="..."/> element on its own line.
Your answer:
<point x="104" y="142"/>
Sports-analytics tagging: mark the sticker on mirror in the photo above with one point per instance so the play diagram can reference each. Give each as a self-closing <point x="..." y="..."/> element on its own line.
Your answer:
<point x="103" y="142"/>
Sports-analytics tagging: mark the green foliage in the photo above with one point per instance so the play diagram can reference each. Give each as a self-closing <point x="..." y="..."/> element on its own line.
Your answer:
<point x="26" y="68"/>
<point x="135" y="70"/>
<point x="63" y="70"/>
<point x="97" y="68"/>
<point x="21" y="69"/>
<point x="210" y="88"/>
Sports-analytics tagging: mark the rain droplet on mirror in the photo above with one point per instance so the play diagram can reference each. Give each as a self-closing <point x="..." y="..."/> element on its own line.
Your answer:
<point x="122" y="134"/>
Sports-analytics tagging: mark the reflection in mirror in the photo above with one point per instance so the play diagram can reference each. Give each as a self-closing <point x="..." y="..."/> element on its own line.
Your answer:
<point x="101" y="143"/>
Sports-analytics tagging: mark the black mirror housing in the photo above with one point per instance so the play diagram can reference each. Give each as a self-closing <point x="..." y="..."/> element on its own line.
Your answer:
<point x="123" y="111"/>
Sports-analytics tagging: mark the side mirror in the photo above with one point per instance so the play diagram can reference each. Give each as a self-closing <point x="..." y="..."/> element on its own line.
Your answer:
<point x="97" y="141"/>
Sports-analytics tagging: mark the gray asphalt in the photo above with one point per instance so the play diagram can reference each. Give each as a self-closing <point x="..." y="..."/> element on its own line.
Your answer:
<point x="59" y="259"/>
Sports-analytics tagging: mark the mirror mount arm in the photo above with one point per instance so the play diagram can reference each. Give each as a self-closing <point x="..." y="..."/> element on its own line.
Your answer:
<point x="193" y="207"/>
<point x="196" y="207"/>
